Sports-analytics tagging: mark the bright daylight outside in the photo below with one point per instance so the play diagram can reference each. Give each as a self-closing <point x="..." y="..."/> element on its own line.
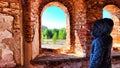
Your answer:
<point x="53" y="28"/>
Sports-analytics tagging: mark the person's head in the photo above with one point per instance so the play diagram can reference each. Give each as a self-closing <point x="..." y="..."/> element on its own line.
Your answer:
<point x="102" y="27"/>
<point x="110" y="23"/>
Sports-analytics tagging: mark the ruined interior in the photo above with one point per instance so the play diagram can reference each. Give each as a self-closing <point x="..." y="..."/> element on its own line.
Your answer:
<point x="20" y="33"/>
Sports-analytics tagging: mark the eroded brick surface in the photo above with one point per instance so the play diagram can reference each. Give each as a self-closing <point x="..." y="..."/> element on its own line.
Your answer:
<point x="10" y="33"/>
<point x="80" y="13"/>
<point x="6" y="22"/>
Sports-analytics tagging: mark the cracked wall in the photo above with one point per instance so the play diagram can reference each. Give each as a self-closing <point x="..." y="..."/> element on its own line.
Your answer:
<point x="6" y="22"/>
<point x="10" y="32"/>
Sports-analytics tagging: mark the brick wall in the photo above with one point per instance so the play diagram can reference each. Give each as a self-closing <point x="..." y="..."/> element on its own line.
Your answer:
<point x="75" y="27"/>
<point x="10" y="31"/>
<point x="94" y="12"/>
<point x="81" y="14"/>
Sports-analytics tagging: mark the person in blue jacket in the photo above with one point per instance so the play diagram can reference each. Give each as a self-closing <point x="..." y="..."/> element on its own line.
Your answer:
<point x="100" y="56"/>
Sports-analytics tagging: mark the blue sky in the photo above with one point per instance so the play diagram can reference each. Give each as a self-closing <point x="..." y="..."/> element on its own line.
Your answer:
<point x="54" y="17"/>
<point x="106" y="14"/>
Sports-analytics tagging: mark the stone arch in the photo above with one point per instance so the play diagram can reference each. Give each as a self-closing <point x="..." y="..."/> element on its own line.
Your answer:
<point x="115" y="14"/>
<point x="32" y="26"/>
<point x="77" y="20"/>
<point x="67" y="8"/>
<point x="114" y="11"/>
<point x="60" y="5"/>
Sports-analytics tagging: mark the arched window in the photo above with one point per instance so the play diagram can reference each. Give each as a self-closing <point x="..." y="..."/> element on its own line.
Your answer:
<point x="55" y="27"/>
<point x="113" y="12"/>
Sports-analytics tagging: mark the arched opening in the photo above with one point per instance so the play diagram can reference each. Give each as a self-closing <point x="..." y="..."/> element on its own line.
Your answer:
<point x="55" y="31"/>
<point x="53" y="28"/>
<point x="113" y="12"/>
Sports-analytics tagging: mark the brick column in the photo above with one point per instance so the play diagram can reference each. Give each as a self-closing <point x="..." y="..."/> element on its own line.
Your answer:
<point x="27" y="32"/>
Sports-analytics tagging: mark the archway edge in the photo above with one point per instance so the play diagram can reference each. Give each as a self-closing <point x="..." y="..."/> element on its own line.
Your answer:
<point x="64" y="8"/>
<point x="58" y="4"/>
<point x="113" y="9"/>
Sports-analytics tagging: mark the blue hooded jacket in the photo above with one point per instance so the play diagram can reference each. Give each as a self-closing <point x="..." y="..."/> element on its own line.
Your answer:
<point x="101" y="44"/>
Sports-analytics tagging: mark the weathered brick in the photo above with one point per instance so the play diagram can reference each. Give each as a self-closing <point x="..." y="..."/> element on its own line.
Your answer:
<point x="11" y="1"/>
<point x="4" y="4"/>
<point x="0" y="9"/>
<point x="5" y="22"/>
<point x="0" y="53"/>
<point x="78" y="12"/>
<point x="15" y="5"/>
<point x="11" y="11"/>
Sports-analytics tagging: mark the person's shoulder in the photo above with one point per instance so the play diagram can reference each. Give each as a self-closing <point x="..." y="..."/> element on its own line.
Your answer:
<point x="97" y="40"/>
<point x="106" y="38"/>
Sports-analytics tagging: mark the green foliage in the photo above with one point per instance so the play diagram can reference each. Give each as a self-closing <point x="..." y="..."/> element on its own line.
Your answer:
<point x="46" y="34"/>
<point x="54" y="38"/>
<point x="43" y="28"/>
<point x="62" y="34"/>
<point x="53" y="33"/>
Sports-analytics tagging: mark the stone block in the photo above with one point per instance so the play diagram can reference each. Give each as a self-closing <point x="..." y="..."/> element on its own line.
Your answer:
<point x="4" y="4"/>
<point x="14" y="5"/>
<point x="0" y="9"/>
<point x="16" y="26"/>
<point x="11" y="11"/>
<point x="5" y="22"/>
<point x="11" y="1"/>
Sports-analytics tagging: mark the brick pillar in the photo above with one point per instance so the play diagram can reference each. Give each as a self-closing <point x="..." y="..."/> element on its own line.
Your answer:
<point x="93" y="13"/>
<point x="27" y="32"/>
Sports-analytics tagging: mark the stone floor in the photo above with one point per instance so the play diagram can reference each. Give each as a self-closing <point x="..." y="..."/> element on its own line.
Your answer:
<point x="7" y="61"/>
<point x="67" y="61"/>
<point x="7" y="64"/>
<point x="51" y="60"/>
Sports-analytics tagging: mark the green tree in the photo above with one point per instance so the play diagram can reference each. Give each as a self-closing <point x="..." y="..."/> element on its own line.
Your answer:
<point x="43" y="28"/>
<point x="44" y="32"/>
<point x="54" y="38"/>
<point x="50" y="34"/>
<point x="55" y="31"/>
<point x="62" y="33"/>
<point x="45" y="35"/>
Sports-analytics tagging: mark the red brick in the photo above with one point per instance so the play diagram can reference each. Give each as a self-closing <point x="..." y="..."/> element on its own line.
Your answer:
<point x="4" y="4"/>
<point x="15" y="5"/>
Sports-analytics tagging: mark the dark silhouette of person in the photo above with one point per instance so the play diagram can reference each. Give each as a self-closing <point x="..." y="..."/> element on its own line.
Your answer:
<point x="100" y="56"/>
